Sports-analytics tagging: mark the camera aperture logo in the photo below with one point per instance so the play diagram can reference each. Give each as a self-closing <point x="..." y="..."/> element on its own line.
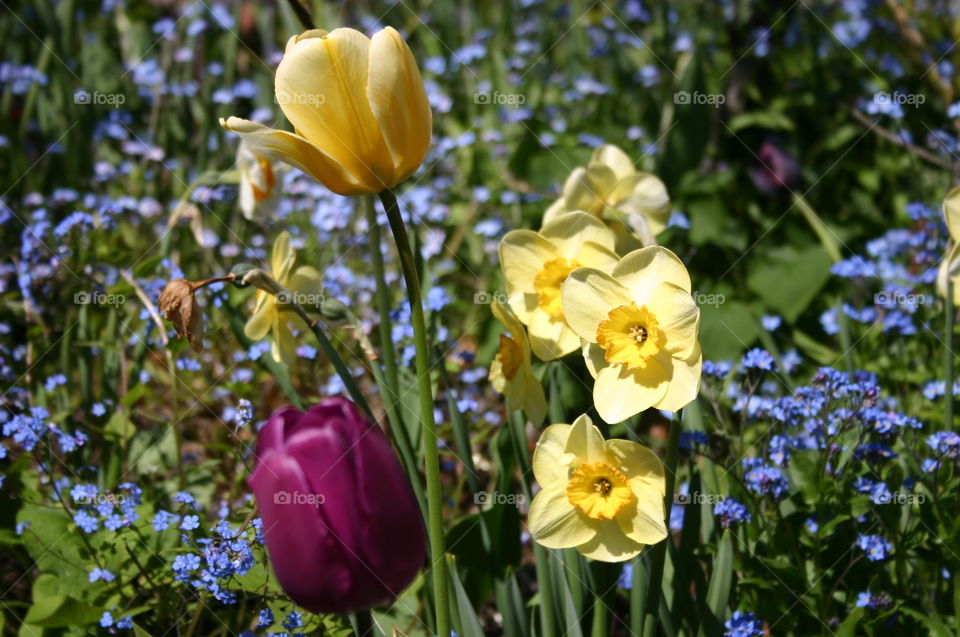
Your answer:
<point x="296" y="497"/>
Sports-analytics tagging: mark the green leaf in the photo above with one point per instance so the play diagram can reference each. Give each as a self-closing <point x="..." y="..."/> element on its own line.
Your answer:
<point x="465" y="618"/>
<point x="55" y="545"/>
<point x="718" y="591"/>
<point x="788" y="279"/>
<point x="52" y="608"/>
<point x="849" y="626"/>
<point x="727" y="328"/>
<point x="771" y="120"/>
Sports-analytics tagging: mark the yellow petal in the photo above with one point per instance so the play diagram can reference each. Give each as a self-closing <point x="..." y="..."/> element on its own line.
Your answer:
<point x="594" y="255"/>
<point x="550" y="338"/>
<point x="321" y="86"/>
<point x="678" y="318"/>
<point x="644" y="194"/>
<point x="594" y="356"/>
<point x="283" y="345"/>
<point x="259" y="324"/>
<point x="587" y="189"/>
<point x="555" y="209"/>
<point x="588" y="295"/>
<point x="951" y="212"/>
<point x="610" y="544"/>
<point x="584" y="442"/>
<point x="307" y="283"/>
<point x="282" y="257"/>
<point x="638" y="464"/>
<point x="300" y="153"/>
<point x="570" y="231"/>
<point x="522" y="255"/>
<point x="619" y="393"/>
<point x="550" y="462"/>
<point x="684" y="382"/>
<point x="534" y="400"/>
<point x="642" y="520"/>
<point x="615" y="159"/>
<point x="399" y="102"/>
<point x="555" y="523"/>
<point x="642" y="270"/>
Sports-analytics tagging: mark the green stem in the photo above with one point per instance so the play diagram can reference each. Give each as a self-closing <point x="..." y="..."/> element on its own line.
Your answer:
<point x="948" y="355"/>
<point x="658" y="553"/>
<point x="428" y="426"/>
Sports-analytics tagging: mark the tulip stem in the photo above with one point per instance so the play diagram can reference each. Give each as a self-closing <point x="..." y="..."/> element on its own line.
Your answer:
<point x="428" y="427"/>
<point x="658" y="553"/>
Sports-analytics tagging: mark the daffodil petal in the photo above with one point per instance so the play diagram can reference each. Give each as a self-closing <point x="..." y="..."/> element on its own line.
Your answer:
<point x="610" y="544"/>
<point x="297" y="151"/>
<point x="951" y="213"/>
<point x="613" y="158"/>
<point x="555" y="523"/>
<point x="282" y="257"/>
<point x="642" y="520"/>
<point x="522" y="255"/>
<point x="594" y="255"/>
<point x="398" y="101"/>
<point x="550" y="338"/>
<point x="550" y="460"/>
<point x="571" y="231"/>
<point x="283" y="345"/>
<point x="554" y="210"/>
<point x="259" y="324"/>
<point x="678" y="317"/>
<point x="619" y="393"/>
<point x="637" y="463"/>
<point x="684" y="382"/>
<point x="534" y="400"/>
<point x="642" y="270"/>
<point x="594" y="356"/>
<point x="584" y="442"/>
<point x="588" y="295"/>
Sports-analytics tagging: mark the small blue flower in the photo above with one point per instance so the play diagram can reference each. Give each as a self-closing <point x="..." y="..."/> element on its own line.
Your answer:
<point x="758" y="358"/>
<point x="265" y="618"/>
<point x="876" y="548"/>
<point x="99" y="574"/>
<point x="190" y="523"/>
<point x="770" y="322"/>
<point x="106" y="620"/>
<point x="743" y="624"/>
<point x="731" y="511"/>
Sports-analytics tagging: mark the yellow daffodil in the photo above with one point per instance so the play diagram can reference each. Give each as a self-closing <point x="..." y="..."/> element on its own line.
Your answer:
<point x="601" y="497"/>
<point x="610" y="188"/>
<point x="535" y="265"/>
<point x="510" y="371"/>
<point x="358" y="107"/>
<point x="305" y="285"/>
<point x="259" y="188"/>
<point x="639" y="326"/>
<point x="949" y="270"/>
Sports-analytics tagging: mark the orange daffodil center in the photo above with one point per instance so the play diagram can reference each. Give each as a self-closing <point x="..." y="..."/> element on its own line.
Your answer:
<point x="630" y="336"/>
<point x="547" y="284"/>
<point x="599" y="490"/>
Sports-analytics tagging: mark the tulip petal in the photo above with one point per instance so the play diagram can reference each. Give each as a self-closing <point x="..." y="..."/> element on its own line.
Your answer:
<point x="555" y="523"/>
<point x="642" y="270"/>
<point x="570" y="231"/>
<point x="684" y="382"/>
<point x="300" y="153"/>
<point x="610" y="544"/>
<point x="550" y="338"/>
<point x="619" y="393"/>
<point x="321" y="86"/>
<point x="550" y="461"/>
<point x="588" y="295"/>
<point x="584" y="442"/>
<point x="399" y="101"/>
<point x="678" y="317"/>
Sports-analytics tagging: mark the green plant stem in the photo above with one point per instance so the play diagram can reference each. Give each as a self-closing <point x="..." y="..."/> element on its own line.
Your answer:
<point x="658" y="553"/>
<point x="948" y="358"/>
<point x="428" y="427"/>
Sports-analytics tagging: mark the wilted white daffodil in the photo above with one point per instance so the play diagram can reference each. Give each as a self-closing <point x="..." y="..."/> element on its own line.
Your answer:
<point x="259" y="182"/>
<point x="304" y="283"/>
<point x="358" y="106"/>
<point x="949" y="270"/>
<point x="601" y="497"/>
<point x="639" y="325"/>
<point x="510" y="372"/>
<point x="612" y="189"/>
<point x="535" y="265"/>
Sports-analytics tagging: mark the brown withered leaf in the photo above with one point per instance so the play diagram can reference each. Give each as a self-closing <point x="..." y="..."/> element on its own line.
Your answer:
<point x="179" y="304"/>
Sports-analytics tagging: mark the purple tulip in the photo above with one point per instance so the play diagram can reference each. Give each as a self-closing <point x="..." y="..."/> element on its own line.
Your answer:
<point x="342" y="526"/>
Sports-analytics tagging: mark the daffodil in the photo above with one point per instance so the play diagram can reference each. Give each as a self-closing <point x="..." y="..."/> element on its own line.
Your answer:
<point x="639" y="326"/>
<point x="305" y="286"/>
<point x="259" y="189"/>
<point x="611" y="188"/>
<point x="601" y="497"/>
<point x="949" y="270"/>
<point x="510" y="372"/>
<point x="358" y="107"/>
<point x="535" y="265"/>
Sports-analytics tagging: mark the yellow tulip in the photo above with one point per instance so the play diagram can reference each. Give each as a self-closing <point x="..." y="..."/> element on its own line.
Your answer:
<point x="259" y="190"/>
<point x="601" y="497"/>
<point x="358" y="106"/>
<point x="510" y="372"/>
<point x="304" y="283"/>
<point x="639" y="326"/>
<point x="535" y="265"/>
<point x="610" y="188"/>
<point x="950" y="266"/>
